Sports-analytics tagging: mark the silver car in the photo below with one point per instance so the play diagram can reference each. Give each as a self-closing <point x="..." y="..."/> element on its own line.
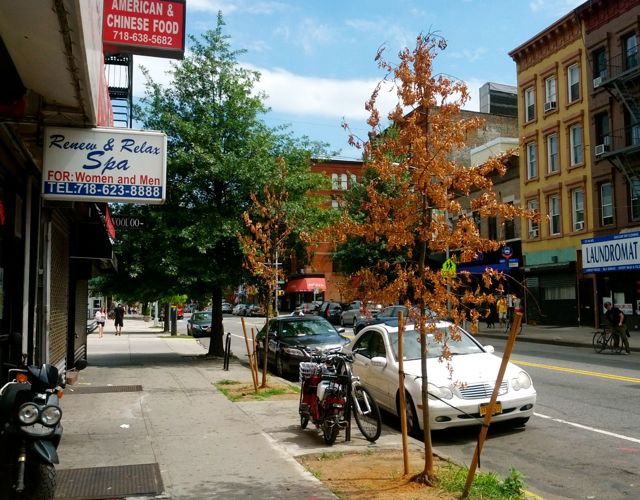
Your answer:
<point x="459" y="387"/>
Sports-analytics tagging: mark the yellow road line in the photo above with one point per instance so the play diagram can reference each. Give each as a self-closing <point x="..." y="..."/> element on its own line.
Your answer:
<point x="579" y="372"/>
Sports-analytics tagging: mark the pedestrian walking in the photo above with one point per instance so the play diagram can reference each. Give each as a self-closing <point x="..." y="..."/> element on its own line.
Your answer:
<point x="618" y="322"/>
<point x="101" y="319"/>
<point x="119" y="319"/>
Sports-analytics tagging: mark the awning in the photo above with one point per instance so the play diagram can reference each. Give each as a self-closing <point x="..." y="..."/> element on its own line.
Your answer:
<point x="306" y="285"/>
<point x="500" y="266"/>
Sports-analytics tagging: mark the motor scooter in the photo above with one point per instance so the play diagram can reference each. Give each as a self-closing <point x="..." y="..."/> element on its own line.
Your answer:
<point x="323" y="399"/>
<point x="30" y="432"/>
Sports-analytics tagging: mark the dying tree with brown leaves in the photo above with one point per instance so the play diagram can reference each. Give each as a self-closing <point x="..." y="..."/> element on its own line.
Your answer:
<point x="413" y="196"/>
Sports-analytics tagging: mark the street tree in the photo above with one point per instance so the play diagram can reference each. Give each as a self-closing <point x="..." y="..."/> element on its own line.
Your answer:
<point x="219" y="151"/>
<point x="285" y="214"/>
<point x="412" y="202"/>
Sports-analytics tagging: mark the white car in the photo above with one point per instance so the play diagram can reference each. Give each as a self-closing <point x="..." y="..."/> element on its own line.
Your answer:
<point x="457" y="397"/>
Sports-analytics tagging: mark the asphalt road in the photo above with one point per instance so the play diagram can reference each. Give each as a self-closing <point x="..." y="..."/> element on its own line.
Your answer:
<point x="584" y="439"/>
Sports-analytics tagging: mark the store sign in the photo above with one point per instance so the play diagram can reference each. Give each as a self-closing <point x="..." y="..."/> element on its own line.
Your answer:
<point x="144" y="27"/>
<point x="620" y="252"/>
<point x="105" y="165"/>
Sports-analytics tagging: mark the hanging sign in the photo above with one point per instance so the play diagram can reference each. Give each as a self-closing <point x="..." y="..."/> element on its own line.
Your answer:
<point x="449" y="269"/>
<point x="104" y="164"/>
<point x="144" y="27"/>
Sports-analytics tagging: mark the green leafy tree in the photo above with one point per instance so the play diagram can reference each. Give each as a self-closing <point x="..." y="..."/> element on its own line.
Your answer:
<point x="219" y="151"/>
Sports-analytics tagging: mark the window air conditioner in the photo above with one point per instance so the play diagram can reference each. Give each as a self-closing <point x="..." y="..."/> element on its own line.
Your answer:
<point x="597" y="82"/>
<point x="533" y="233"/>
<point x="549" y="106"/>
<point x="601" y="149"/>
<point x="579" y="225"/>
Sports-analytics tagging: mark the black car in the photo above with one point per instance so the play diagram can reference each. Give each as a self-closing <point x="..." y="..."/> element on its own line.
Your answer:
<point x="294" y="338"/>
<point x="199" y="324"/>
<point x="330" y="311"/>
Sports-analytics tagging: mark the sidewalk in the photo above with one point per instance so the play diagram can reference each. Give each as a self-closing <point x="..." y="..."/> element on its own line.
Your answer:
<point x="147" y="399"/>
<point x="571" y="336"/>
<point x="145" y="421"/>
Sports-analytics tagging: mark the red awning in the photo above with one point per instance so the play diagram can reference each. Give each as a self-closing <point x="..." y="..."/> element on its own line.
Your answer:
<point x="305" y="285"/>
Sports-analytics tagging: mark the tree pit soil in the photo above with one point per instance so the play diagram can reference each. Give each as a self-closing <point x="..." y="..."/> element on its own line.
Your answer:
<point x="374" y="475"/>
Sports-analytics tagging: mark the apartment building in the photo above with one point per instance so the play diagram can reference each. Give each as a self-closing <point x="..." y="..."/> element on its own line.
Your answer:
<point x="320" y="279"/>
<point x="555" y="172"/>
<point x="610" y="261"/>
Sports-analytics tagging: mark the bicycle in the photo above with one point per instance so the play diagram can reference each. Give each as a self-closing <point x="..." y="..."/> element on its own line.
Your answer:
<point x="328" y="381"/>
<point x="607" y="339"/>
<point x="509" y="322"/>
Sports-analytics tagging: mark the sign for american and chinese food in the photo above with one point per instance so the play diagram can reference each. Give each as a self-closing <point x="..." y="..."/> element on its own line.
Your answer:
<point x="144" y="27"/>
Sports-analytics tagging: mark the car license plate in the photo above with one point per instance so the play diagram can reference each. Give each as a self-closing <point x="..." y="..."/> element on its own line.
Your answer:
<point x="497" y="408"/>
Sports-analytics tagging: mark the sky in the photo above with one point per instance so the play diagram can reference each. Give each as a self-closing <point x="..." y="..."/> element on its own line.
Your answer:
<point x="316" y="57"/>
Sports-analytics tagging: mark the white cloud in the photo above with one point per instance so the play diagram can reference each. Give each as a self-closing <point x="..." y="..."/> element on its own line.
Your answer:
<point x="228" y="7"/>
<point x="469" y="55"/>
<point x="555" y="8"/>
<point x="322" y="97"/>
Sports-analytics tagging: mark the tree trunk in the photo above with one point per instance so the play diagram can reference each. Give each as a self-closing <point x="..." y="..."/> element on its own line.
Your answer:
<point x="217" y="330"/>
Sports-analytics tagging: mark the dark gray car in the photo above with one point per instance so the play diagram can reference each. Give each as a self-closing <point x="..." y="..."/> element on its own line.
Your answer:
<point x="199" y="324"/>
<point x="293" y="339"/>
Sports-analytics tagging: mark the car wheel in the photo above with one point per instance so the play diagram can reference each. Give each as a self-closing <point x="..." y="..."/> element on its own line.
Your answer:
<point x="279" y="366"/>
<point x="517" y="422"/>
<point x="342" y="321"/>
<point x="188" y="330"/>
<point x="413" y="424"/>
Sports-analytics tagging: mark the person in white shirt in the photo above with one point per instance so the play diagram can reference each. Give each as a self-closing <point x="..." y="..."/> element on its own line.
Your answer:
<point x="101" y="318"/>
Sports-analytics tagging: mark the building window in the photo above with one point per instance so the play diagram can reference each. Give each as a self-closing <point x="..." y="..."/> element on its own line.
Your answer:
<point x="635" y="198"/>
<point x="530" y="104"/>
<point x="632" y="130"/>
<point x="477" y="221"/>
<point x="532" y="163"/>
<point x="334" y="182"/>
<point x="492" y="227"/>
<point x="550" y="93"/>
<point x="630" y="47"/>
<point x="560" y="293"/>
<point x="334" y="203"/>
<point x="575" y="139"/>
<point x="344" y="182"/>
<point x="606" y="203"/>
<point x="553" y="164"/>
<point x="353" y="180"/>
<point x="600" y="65"/>
<point x="577" y="209"/>
<point x="602" y="132"/>
<point x="509" y="227"/>
<point x="533" y="227"/>
<point x="554" y="214"/>
<point x="573" y="80"/>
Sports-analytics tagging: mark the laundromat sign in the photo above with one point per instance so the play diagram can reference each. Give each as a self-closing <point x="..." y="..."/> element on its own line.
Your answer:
<point x="619" y="252"/>
<point x="104" y="165"/>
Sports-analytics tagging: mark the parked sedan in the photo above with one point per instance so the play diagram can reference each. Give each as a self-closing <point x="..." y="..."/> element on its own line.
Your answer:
<point x="227" y="308"/>
<point x="457" y="398"/>
<point x="293" y="339"/>
<point x="389" y="313"/>
<point x="199" y="324"/>
<point x="330" y="311"/>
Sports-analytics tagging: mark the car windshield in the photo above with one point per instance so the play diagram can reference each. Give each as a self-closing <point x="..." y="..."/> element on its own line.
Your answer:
<point x="307" y="328"/>
<point x="201" y="316"/>
<point x="465" y="345"/>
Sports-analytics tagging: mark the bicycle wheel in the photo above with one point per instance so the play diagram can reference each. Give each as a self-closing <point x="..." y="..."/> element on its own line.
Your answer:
<point x="599" y="341"/>
<point x="615" y="343"/>
<point x="366" y="413"/>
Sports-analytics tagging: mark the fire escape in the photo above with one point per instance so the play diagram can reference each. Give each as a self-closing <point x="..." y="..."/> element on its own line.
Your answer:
<point x="119" y="73"/>
<point x="622" y="147"/>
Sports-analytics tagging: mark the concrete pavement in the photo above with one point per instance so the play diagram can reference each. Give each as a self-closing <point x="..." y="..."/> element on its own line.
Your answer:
<point x="162" y="408"/>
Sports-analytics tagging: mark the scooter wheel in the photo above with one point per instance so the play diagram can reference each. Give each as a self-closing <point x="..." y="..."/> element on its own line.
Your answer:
<point x="303" y="421"/>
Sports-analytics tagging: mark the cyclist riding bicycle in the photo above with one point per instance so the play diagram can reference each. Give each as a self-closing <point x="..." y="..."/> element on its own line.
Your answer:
<point x="618" y="323"/>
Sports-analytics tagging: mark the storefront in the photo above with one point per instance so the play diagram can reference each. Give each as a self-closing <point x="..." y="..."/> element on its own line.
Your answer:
<point x="613" y="263"/>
